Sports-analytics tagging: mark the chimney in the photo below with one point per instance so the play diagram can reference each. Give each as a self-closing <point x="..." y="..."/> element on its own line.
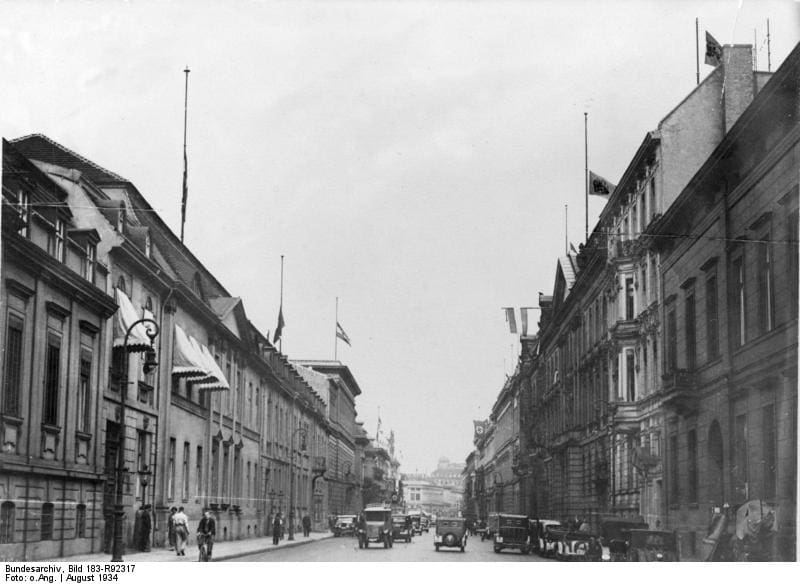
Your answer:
<point x="738" y="85"/>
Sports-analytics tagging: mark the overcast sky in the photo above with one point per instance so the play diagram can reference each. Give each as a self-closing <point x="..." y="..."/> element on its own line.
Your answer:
<point x="413" y="159"/>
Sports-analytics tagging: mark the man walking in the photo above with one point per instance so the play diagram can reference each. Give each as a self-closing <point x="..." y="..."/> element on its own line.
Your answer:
<point x="306" y="525"/>
<point x="181" y="531"/>
<point x="206" y="531"/>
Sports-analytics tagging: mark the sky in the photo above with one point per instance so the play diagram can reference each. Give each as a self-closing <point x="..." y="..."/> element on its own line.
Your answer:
<point x="412" y="159"/>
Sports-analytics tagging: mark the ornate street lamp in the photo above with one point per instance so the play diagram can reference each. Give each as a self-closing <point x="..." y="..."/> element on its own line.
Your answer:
<point x="150" y="363"/>
<point x="303" y="435"/>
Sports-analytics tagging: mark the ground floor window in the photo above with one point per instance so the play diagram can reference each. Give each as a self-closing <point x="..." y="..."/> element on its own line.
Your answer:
<point x="7" y="520"/>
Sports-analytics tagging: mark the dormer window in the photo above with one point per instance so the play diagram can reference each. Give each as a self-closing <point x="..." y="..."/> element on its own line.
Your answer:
<point x="23" y="208"/>
<point x="58" y="238"/>
<point x="197" y="286"/>
<point x="89" y="262"/>
<point x="120" y="220"/>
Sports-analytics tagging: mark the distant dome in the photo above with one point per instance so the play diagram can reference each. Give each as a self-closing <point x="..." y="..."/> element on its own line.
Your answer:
<point x="444" y="461"/>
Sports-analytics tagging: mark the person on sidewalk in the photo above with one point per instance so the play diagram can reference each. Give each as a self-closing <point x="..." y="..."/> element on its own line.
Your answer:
<point x="181" y="531"/>
<point x="147" y="524"/>
<point x="137" y="528"/>
<point x="276" y="528"/>
<point x="206" y="530"/>
<point x="171" y="528"/>
<point x="306" y="525"/>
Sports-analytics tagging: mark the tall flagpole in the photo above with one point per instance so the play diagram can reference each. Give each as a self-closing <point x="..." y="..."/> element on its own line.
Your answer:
<point x="336" y="333"/>
<point x="566" y="229"/>
<point x="697" y="46"/>
<point x="280" y="339"/>
<point x="769" y="51"/>
<point x="185" y="163"/>
<point x="586" y="168"/>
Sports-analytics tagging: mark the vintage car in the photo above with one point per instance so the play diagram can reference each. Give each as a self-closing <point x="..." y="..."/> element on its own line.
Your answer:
<point x="512" y="532"/>
<point x="345" y="525"/>
<point x="402" y="528"/>
<point x="645" y="545"/>
<point x="377" y="527"/>
<point x="573" y="545"/>
<point x="615" y="535"/>
<point x="450" y="532"/>
<point x="551" y="534"/>
<point x="537" y="527"/>
<point x="416" y="522"/>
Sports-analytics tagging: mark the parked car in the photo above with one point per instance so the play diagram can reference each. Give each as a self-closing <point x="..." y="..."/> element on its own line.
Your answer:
<point x="345" y="525"/>
<point x="512" y="532"/>
<point x="377" y="527"/>
<point x="450" y="532"/>
<point x="551" y="534"/>
<point x="402" y="528"/>
<point x="537" y="527"/>
<point x="573" y="545"/>
<point x="647" y="545"/>
<point x="615" y="536"/>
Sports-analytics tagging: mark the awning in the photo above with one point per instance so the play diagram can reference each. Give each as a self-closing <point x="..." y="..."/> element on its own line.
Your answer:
<point x="219" y="383"/>
<point x="125" y="316"/>
<point x="186" y="360"/>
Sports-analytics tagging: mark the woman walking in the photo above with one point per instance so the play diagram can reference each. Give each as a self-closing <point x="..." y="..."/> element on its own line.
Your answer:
<point x="181" y="531"/>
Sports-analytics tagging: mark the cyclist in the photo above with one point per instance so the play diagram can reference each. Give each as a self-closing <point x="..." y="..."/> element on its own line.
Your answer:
<point x="206" y="530"/>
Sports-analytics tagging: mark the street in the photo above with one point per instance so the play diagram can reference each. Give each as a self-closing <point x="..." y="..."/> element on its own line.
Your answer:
<point x="345" y="549"/>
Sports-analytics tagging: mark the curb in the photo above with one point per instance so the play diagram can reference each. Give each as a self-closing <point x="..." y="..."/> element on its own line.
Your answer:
<point x="241" y="554"/>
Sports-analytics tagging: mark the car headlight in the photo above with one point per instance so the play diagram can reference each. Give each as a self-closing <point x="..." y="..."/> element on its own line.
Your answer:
<point x="499" y="539"/>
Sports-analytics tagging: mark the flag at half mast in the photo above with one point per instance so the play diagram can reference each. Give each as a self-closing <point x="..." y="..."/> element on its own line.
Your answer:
<point x="600" y="186"/>
<point x="713" y="51"/>
<point x="279" y="328"/>
<point x="341" y="334"/>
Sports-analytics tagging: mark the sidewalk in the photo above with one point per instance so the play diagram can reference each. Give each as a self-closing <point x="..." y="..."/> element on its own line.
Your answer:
<point x="223" y="550"/>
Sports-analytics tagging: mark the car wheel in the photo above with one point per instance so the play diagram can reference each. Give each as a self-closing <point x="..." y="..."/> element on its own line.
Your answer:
<point x="496" y="549"/>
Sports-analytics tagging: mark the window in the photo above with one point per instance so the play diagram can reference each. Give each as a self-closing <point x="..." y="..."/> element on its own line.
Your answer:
<point x="712" y="319"/>
<point x="121" y="285"/>
<point x="52" y="379"/>
<point x="171" y="471"/>
<point x="769" y="454"/>
<point x="12" y="376"/>
<point x="185" y="474"/>
<point x="46" y="523"/>
<point x="198" y="471"/>
<point x="672" y="341"/>
<point x="142" y="458"/>
<point x="629" y="299"/>
<point x="215" y="468"/>
<point x="691" y="444"/>
<point x="738" y="315"/>
<point x="118" y="376"/>
<point x="644" y="283"/>
<point x="7" y="522"/>
<point x="715" y="469"/>
<point x="635" y="220"/>
<point x="766" y="299"/>
<point x="80" y="521"/>
<point x="247" y="494"/>
<point x="89" y="261"/>
<point x="59" y="237"/>
<point x="740" y="454"/>
<point x="673" y="469"/>
<point x="691" y="335"/>
<point x="23" y="208"/>
<point x="652" y="196"/>
<point x="630" y="374"/>
<point x="84" y="414"/>
<point x="226" y="455"/>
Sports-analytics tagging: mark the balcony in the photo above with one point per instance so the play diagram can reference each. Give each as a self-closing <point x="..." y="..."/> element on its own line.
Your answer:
<point x="678" y="391"/>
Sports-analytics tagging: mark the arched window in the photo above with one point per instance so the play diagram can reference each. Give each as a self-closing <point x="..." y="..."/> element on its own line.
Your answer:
<point x="47" y="522"/>
<point x="7" y="522"/>
<point x="121" y="285"/>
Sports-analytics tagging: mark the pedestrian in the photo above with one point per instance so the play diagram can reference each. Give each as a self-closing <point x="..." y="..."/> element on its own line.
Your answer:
<point x="137" y="529"/>
<point x="207" y="531"/>
<point x="147" y="524"/>
<point x="306" y="525"/>
<point x="181" y="531"/>
<point x="594" y="552"/>
<point x="171" y="528"/>
<point x="283" y="525"/>
<point x="276" y="528"/>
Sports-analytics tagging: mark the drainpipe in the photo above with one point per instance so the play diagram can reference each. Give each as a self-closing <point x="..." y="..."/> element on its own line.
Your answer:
<point x="72" y="344"/>
<point x="30" y="423"/>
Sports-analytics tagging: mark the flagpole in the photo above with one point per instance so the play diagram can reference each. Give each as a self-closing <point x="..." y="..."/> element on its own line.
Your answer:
<point x="755" y="50"/>
<point x="697" y="46"/>
<point x="280" y="340"/>
<point x="185" y="164"/>
<point x="566" y="229"/>
<point x="769" y="52"/>
<point x="586" y="168"/>
<point x="335" y="333"/>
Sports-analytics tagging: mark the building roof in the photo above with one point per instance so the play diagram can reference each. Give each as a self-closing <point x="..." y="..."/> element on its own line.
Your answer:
<point x="332" y="367"/>
<point x="40" y="147"/>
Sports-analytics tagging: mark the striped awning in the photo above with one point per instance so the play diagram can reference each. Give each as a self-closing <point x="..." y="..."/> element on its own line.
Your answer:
<point x="187" y="361"/>
<point x="219" y="383"/>
<point x="125" y="316"/>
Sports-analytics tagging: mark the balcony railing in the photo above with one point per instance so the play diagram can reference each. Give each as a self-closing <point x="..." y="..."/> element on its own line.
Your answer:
<point x="679" y="391"/>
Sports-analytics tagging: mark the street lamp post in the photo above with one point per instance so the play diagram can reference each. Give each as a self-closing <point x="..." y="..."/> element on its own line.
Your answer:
<point x="144" y="480"/>
<point x="149" y="364"/>
<point x="303" y="434"/>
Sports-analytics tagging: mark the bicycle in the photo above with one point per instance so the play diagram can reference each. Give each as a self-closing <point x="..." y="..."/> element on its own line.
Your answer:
<point x="202" y="544"/>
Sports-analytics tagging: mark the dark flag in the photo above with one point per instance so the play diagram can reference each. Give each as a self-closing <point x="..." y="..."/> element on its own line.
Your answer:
<point x="279" y="328"/>
<point x="341" y="334"/>
<point x="599" y="186"/>
<point x="713" y="51"/>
